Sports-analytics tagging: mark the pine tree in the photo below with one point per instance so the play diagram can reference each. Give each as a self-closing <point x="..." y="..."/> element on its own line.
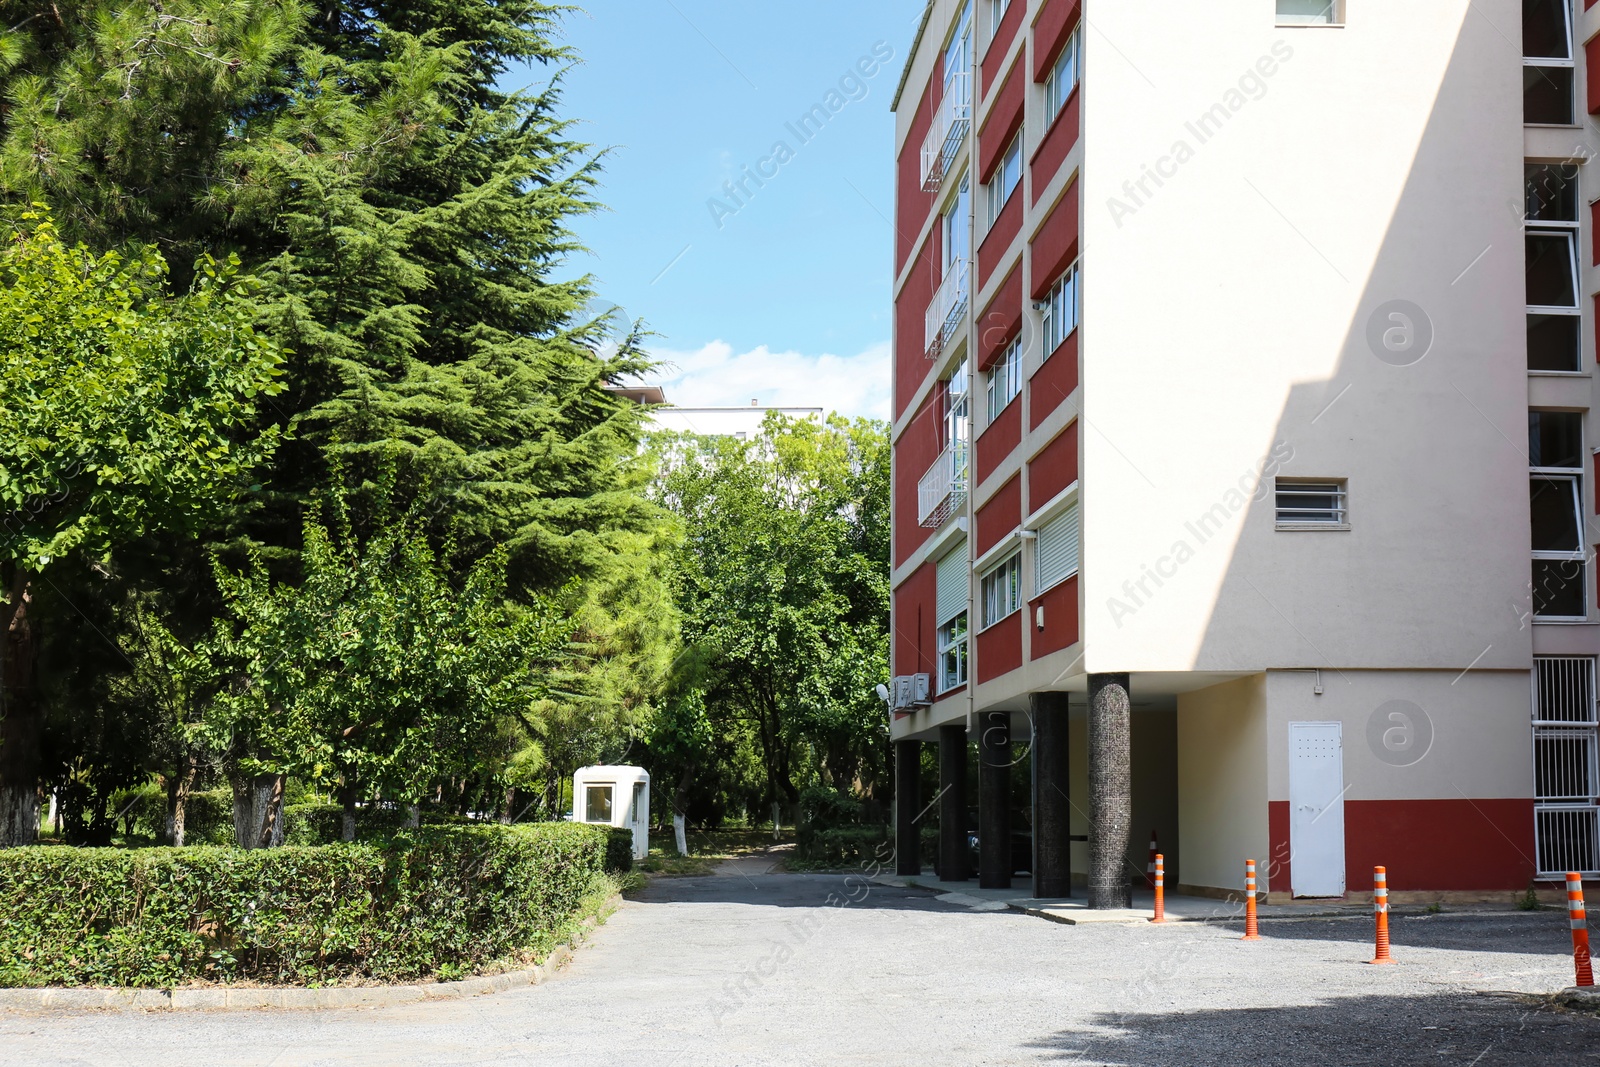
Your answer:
<point x="410" y="222"/>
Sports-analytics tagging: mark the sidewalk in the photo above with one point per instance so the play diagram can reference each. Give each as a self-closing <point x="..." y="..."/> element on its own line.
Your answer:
<point x="1075" y="910"/>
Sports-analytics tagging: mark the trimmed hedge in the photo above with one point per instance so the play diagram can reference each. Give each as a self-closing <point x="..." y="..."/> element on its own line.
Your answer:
<point x="439" y="901"/>
<point x="619" y="849"/>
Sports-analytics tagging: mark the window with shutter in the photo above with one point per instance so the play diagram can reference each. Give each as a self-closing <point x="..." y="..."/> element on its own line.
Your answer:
<point x="1057" y="550"/>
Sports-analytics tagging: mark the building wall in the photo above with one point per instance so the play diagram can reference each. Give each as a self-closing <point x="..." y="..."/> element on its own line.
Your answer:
<point x="1228" y="307"/>
<point x="1222" y="785"/>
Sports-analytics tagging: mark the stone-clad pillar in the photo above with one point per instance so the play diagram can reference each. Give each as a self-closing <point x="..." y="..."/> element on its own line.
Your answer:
<point x="1052" y="810"/>
<point x="1110" y="790"/>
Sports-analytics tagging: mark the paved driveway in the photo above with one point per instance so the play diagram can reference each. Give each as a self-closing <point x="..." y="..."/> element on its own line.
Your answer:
<point x="755" y="968"/>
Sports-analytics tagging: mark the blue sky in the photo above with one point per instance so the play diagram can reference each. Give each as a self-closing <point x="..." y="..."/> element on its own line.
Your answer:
<point x="781" y="293"/>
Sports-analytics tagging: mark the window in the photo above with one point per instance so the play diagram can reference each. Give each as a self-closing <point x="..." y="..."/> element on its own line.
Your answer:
<point x="1063" y="76"/>
<point x="1005" y="379"/>
<point x="997" y="11"/>
<point x="1311" y="505"/>
<point x="597" y="804"/>
<point x="956" y="406"/>
<point x="1551" y="200"/>
<point x="1056" y="551"/>
<point x="1555" y="440"/>
<point x="958" y="53"/>
<point x="1310" y="12"/>
<point x="1007" y="176"/>
<point x="1061" y="311"/>
<point x="956" y="223"/>
<point x="1002" y="590"/>
<point x="1566" y="765"/>
<point x="1555" y="509"/>
<point x="950" y="609"/>
<point x="1547" y="65"/>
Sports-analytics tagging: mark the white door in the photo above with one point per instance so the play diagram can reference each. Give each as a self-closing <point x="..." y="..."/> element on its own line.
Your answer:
<point x="1316" y="809"/>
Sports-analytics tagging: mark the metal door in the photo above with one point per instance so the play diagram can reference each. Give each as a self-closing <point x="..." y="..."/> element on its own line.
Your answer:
<point x="1316" y="809"/>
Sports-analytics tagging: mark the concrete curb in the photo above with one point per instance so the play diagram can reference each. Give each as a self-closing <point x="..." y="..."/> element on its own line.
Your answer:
<point x="229" y="998"/>
<point x="1586" y="998"/>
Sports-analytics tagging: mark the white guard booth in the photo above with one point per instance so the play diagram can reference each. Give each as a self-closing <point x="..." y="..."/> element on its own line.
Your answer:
<point x="615" y="796"/>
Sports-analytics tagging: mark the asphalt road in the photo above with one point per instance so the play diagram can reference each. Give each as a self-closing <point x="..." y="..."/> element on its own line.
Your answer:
<point x="753" y="968"/>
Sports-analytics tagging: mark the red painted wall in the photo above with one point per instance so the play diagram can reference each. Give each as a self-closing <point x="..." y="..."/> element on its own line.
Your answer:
<point x="1055" y="245"/>
<point x="1053" y="382"/>
<point x="993" y="248"/>
<point x="1594" y="221"/>
<point x="999" y="515"/>
<point x="1050" y="31"/>
<point x="910" y="324"/>
<point x="1053" y="468"/>
<point x="998" y="439"/>
<point x="1002" y="318"/>
<point x="1060" y="631"/>
<point x="914" y="453"/>
<point x="911" y="204"/>
<point x="1429" y="845"/>
<point x="1002" y="122"/>
<point x="999" y="648"/>
<point x="995" y="53"/>
<point x="915" y="646"/>
<point x="1591" y="55"/>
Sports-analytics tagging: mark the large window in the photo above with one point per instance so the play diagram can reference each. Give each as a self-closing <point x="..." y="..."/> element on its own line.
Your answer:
<point x="1566" y="766"/>
<point x="1063" y="76"/>
<point x="1548" y="68"/>
<point x="957" y="401"/>
<point x="1005" y="379"/>
<point x="1061" y="311"/>
<point x="958" y="53"/>
<point x="997" y="11"/>
<point x="1007" y="176"/>
<point x="1554" y="331"/>
<point x="950" y="609"/>
<point x="1002" y="590"/>
<point x="956" y="226"/>
<point x="1555" y="507"/>
<point x="1310" y="12"/>
<point x="597" y="803"/>
<point x="1056" y="550"/>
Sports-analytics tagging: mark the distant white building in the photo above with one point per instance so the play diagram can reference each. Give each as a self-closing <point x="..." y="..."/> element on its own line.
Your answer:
<point x="740" y="422"/>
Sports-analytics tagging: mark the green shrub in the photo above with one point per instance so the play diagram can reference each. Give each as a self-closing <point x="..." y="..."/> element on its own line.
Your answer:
<point x="207" y="817"/>
<point x="847" y="846"/>
<point x="440" y="900"/>
<point x="822" y="808"/>
<point x="619" y="849"/>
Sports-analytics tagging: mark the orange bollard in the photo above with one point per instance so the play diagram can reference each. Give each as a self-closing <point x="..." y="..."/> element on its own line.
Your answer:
<point x="1161" y="903"/>
<point x="1580" y="929"/>
<point x="1252" y="929"/>
<point x="1150" y="867"/>
<point x="1380" y="912"/>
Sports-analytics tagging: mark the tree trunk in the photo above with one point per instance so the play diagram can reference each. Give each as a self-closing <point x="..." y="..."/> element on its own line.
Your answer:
<point x="258" y="811"/>
<point x="776" y="824"/>
<point x="680" y="834"/>
<point x="508" y="807"/>
<point x="413" y="816"/>
<point x="20" y="722"/>
<point x="179" y="786"/>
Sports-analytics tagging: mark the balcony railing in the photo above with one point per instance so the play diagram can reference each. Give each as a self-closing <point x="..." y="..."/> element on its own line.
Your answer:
<point x="943" y="490"/>
<point x="950" y="122"/>
<point x="947" y="308"/>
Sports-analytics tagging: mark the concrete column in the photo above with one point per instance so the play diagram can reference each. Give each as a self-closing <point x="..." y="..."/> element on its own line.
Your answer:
<point x="907" y="806"/>
<point x="1052" y="811"/>
<point x="1110" y="790"/>
<point x="994" y="800"/>
<point x="953" y="863"/>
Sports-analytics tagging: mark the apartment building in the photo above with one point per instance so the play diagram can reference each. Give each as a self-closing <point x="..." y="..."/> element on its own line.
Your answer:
<point x="1242" y="487"/>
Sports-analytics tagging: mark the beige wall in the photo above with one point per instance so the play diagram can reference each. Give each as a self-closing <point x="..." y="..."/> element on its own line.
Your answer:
<point x="1227" y="317"/>
<point x="1471" y="740"/>
<point x="1222" y="783"/>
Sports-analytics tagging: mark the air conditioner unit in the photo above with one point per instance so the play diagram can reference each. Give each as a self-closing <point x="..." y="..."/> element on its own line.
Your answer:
<point x="903" y="692"/>
<point x="919" y="690"/>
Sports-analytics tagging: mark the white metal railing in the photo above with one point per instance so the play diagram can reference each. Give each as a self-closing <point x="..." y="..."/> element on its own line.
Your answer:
<point x="950" y="121"/>
<point x="943" y="489"/>
<point x="1566" y="765"/>
<point x="948" y="306"/>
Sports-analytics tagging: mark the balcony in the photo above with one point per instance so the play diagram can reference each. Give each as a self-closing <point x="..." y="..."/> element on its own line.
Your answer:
<point x="948" y="307"/>
<point x="950" y="122"/>
<point x="943" y="490"/>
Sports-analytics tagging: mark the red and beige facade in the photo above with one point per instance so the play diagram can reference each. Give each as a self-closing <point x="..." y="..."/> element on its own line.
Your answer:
<point x="1248" y="351"/>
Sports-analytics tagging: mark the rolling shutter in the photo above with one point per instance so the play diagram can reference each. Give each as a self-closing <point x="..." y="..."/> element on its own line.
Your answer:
<point x="1058" y="550"/>
<point x="951" y="599"/>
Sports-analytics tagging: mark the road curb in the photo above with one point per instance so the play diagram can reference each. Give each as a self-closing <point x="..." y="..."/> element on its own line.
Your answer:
<point x="230" y="998"/>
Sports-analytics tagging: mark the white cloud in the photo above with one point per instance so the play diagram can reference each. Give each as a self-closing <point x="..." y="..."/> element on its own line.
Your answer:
<point x="715" y="376"/>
